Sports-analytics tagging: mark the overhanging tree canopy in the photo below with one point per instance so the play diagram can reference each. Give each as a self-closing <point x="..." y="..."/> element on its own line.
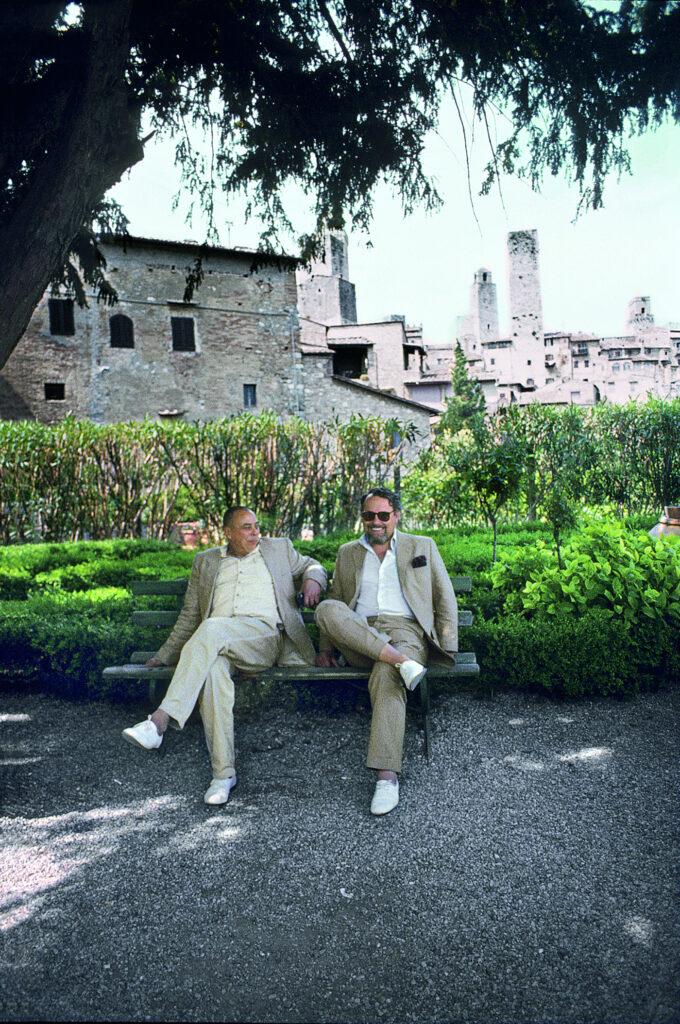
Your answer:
<point x="335" y="94"/>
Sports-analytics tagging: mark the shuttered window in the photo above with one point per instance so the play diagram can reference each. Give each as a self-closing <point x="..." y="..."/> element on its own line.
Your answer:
<point x="61" y="316"/>
<point x="183" y="339"/>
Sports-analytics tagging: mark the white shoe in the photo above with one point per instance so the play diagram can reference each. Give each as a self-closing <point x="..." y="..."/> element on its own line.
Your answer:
<point x="218" y="790"/>
<point x="411" y="672"/>
<point x="144" y="734"/>
<point x="386" y="797"/>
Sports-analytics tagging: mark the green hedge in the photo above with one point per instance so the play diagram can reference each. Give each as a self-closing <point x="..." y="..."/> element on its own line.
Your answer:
<point x="62" y="647"/>
<point x="60" y="644"/>
<point x="62" y="621"/>
<point x="575" y="657"/>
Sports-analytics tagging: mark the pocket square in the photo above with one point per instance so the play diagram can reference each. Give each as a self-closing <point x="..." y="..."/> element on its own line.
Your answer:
<point x="418" y="561"/>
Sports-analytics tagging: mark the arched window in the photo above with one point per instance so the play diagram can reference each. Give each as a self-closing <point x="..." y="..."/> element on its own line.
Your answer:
<point x="122" y="333"/>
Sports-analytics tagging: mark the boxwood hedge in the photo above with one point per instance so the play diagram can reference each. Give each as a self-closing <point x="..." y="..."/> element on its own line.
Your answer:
<point x="64" y="616"/>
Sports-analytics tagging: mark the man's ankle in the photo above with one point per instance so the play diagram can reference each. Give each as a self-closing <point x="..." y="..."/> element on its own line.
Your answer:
<point x="386" y="776"/>
<point x="160" y="719"/>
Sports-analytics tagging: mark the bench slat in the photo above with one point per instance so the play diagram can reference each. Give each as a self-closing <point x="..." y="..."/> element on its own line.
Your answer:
<point x="461" y="584"/>
<point x="466" y="665"/>
<point x="178" y="586"/>
<point x="168" y="617"/>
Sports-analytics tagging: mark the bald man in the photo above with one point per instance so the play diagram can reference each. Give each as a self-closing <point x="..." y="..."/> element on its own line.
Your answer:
<point x="240" y="612"/>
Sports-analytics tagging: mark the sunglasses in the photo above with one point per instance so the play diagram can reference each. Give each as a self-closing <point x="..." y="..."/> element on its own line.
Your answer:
<point x="368" y="517"/>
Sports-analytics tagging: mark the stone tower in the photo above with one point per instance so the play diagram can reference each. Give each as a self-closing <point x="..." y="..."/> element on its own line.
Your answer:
<point x="325" y="292"/>
<point x="526" y="312"/>
<point x="481" y="323"/>
<point x="639" y="314"/>
<point x="484" y="306"/>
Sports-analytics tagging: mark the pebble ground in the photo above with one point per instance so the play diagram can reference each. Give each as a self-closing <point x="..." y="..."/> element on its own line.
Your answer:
<point x="529" y="874"/>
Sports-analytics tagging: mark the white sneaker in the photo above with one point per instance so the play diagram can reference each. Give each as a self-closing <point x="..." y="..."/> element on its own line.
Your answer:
<point x="144" y="734"/>
<point x="218" y="790"/>
<point x="411" y="672"/>
<point x="386" y="797"/>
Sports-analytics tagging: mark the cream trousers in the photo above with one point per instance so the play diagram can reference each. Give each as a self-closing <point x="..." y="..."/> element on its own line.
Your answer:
<point x="203" y="674"/>
<point x="360" y="640"/>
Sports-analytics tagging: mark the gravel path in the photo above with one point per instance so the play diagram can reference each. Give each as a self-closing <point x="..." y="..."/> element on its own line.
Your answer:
<point x="529" y="874"/>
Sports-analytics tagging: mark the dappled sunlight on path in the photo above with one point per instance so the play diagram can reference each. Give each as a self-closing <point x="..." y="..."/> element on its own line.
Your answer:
<point x="40" y="854"/>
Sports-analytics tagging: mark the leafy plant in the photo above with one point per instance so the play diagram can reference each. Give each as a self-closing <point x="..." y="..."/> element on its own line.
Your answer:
<point x="625" y="575"/>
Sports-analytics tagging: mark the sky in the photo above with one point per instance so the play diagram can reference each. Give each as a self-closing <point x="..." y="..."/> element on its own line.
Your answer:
<point x="422" y="266"/>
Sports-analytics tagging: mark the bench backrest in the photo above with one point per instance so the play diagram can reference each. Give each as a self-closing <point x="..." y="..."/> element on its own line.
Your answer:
<point x="177" y="588"/>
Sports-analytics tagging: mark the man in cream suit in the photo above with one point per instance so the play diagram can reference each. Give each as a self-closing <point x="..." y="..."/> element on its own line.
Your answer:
<point x="391" y="605"/>
<point x="239" y="612"/>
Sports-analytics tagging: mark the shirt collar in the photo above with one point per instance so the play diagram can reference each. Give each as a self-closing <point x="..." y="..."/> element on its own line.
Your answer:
<point x="225" y="554"/>
<point x="392" y="547"/>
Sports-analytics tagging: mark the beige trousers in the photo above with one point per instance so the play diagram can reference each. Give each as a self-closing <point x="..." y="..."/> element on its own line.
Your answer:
<point x="360" y="640"/>
<point x="203" y="674"/>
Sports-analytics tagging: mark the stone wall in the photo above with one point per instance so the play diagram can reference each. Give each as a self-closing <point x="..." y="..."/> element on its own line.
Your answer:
<point x="327" y="397"/>
<point x="243" y="336"/>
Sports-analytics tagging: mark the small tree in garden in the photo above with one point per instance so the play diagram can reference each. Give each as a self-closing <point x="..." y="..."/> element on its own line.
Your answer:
<point x="491" y="462"/>
<point x="559" y="511"/>
<point x="567" y="456"/>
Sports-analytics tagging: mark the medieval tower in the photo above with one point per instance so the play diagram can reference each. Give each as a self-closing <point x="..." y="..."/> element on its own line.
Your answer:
<point x="526" y="312"/>
<point x="325" y="293"/>
<point x="517" y="358"/>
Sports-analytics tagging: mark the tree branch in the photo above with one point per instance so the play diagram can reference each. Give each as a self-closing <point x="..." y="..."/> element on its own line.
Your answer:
<point x="97" y="142"/>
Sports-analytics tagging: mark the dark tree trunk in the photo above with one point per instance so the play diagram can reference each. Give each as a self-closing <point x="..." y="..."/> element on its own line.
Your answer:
<point x="97" y="141"/>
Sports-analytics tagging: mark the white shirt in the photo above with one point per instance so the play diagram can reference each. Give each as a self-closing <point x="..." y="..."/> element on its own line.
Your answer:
<point x="380" y="590"/>
<point x="244" y="586"/>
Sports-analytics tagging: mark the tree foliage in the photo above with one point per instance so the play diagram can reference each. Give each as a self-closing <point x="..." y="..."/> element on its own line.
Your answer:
<point x="491" y="461"/>
<point x="466" y="400"/>
<point x="333" y="94"/>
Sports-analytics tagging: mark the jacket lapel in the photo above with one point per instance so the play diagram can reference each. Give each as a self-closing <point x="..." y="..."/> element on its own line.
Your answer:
<point x="358" y="555"/>
<point x="405" y="548"/>
<point x="270" y="554"/>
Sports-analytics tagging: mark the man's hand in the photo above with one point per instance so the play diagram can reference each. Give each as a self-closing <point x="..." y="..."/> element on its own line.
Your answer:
<point x="154" y="663"/>
<point x="326" y="660"/>
<point x="311" y="593"/>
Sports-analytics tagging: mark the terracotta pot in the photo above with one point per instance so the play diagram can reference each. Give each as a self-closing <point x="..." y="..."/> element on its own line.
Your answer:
<point x="669" y="522"/>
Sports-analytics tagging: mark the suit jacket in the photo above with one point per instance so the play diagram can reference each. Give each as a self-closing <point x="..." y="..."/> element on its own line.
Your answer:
<point x="288" y="569"/>
<point x="426" y="587"/>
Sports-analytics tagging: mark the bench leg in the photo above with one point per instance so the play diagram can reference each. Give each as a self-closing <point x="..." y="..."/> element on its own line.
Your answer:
<point x="424" y="689"/>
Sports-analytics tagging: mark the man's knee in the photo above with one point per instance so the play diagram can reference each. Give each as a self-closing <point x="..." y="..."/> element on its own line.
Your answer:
<point x="327" y="613"/>
<point x="208" y="630"/>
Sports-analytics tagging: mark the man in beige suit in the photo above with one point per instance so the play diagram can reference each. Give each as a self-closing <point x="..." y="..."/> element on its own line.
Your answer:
<point x="391" y="605"/>
<point x="240" y="612"/>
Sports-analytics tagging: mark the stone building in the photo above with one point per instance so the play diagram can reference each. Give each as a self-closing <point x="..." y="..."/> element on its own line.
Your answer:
<point x="247" y="341"/>
<point x="529" y="364"/>
<point x="386" y="356"/>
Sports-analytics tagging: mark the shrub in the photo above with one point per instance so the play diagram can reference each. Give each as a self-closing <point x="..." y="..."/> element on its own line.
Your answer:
<point x="63" y="638"/>
<point x="575" y="657"/>
<point x="64" y="641"/>
<point x="32" y="568"/>
<point x="624" y="574"/>
<point x="15" y="583"/>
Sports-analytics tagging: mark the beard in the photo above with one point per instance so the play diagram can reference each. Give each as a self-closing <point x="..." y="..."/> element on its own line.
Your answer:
<point x="377" y="538"/>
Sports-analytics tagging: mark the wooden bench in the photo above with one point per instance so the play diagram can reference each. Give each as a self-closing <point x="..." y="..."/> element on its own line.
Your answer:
<point x="466" y="662"/>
